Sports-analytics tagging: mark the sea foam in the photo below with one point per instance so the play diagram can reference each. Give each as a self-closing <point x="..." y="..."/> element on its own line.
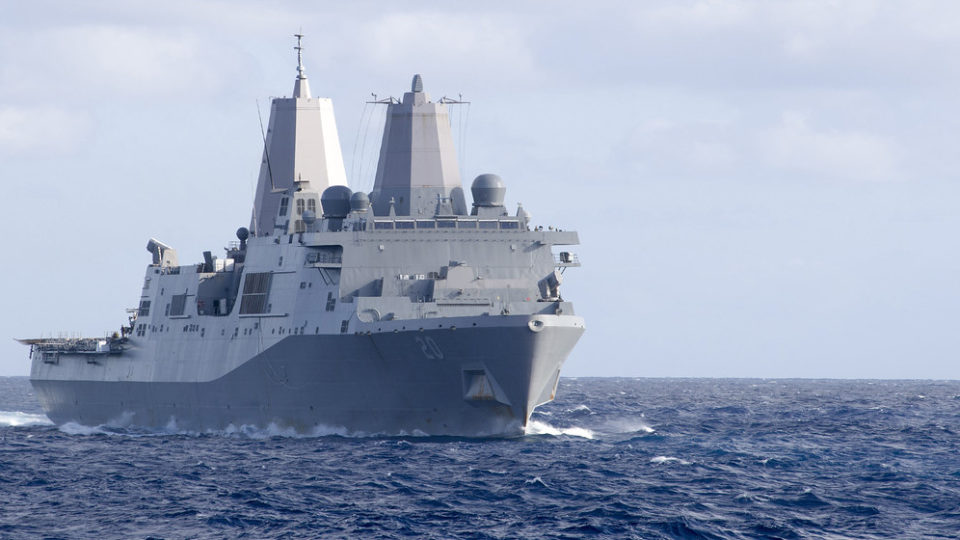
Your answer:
<point x="19" y="418"/>
<point x="536" y="427"/>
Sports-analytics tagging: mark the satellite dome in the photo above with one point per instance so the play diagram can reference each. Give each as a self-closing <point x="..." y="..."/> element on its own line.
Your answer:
<point x="309" y="217"/>
<point x="359" y="202"/>
<point x="335" y="201"/>
<point x="243" y="233"/>
<point x="488" y="190"/>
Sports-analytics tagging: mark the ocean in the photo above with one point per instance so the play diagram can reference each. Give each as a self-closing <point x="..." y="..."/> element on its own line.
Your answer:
<point x="611" y="457"/>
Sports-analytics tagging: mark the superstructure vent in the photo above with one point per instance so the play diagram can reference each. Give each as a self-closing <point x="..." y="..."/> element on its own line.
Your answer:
<point x="256" y="293"/>
<point x="178" y="305"/>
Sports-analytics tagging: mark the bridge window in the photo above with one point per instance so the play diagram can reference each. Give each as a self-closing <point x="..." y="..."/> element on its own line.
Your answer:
<point x="284" y="202"/>
<point x="300" y="207"/>
<point x="325" y="254"/>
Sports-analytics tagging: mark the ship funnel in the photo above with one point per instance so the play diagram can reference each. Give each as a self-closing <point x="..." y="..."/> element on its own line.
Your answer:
<point x="418" y="163"/>
<point x="300" y="143"/>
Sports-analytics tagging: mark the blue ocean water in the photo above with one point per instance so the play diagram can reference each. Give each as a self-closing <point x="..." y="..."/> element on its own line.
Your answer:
<point x="622" y="458"/>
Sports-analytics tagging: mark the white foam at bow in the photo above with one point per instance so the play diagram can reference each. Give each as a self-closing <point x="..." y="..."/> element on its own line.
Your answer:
<point x="73" y="428"/>
<point x="536" y="427"/>
<point x="244" y="430"/>
<point x="18" y="418"/>
<point x="273" y="430"/>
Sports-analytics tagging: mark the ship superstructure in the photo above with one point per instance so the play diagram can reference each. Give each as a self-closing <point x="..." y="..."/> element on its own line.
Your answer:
<point x="396" y="312"/>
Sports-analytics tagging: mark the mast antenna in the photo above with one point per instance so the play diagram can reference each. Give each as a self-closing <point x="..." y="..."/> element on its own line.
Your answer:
<point x="299" y="49"/>
<point x="266" y="152"/>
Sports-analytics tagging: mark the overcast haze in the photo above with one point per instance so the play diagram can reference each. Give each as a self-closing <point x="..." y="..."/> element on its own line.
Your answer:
<point x="762" y="189"/>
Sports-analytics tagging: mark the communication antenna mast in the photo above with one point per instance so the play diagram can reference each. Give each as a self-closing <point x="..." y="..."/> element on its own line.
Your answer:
<point x="266" y="152"/>
<point x="299" y="49"/>
<point x="462" y="128"/>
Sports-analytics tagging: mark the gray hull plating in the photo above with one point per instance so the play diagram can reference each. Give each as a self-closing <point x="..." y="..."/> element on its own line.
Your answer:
<point x="413" y="315"/>
<point x="463" y="382"/>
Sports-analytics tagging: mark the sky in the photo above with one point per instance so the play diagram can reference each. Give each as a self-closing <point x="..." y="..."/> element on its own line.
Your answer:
<point x="762" y="189"/>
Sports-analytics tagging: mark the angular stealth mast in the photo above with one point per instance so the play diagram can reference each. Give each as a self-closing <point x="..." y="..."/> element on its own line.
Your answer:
<point x="418" y="164"/>
<point x="301" y="146"/>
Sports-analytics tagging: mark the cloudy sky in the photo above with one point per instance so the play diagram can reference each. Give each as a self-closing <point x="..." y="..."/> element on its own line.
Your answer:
<point x="762" y="189"/>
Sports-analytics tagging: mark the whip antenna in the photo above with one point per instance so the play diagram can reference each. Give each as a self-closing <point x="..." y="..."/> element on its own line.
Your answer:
<point x="266" y="152"/>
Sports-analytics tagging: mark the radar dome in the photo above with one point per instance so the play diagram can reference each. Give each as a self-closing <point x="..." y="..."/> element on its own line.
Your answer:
<point x="243" y="233"/>
<point x="309" y="217"/>
<point x="488" y="190"/>
<point x="335" y="201"/>
<point x="359" y="202"/>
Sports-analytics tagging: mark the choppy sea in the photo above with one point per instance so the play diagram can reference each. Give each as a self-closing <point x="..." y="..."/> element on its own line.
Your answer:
<point x="619" y="458"/>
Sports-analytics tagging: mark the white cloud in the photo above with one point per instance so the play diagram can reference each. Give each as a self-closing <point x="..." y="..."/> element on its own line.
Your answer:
<point x="792" y="44"/>
<point x="701" y="14"/>
<point x="110" y="60"/>
<point x="465" y="44"/>
<point x="794" y="145"/>
<point x="736" y="148"/>
<point x="25" y="129"/>
<point x="696" y="148"/>
<point x="136" y="61"/>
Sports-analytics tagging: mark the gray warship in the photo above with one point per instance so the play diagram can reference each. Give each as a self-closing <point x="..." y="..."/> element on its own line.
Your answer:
<point x="396" y="312"/>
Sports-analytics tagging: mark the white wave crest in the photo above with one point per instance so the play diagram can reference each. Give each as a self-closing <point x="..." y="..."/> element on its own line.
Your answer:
<point x="580" y="409"/>
<point x="668" y="459"/>
<point x="535" y="427"/>
<point x="19" y="418"/>
<point x="627" y="425"/>
<point x="536" y="480"/>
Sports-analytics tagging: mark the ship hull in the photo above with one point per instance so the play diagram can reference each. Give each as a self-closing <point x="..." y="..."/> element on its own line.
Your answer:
<point x="473" y="382"/>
